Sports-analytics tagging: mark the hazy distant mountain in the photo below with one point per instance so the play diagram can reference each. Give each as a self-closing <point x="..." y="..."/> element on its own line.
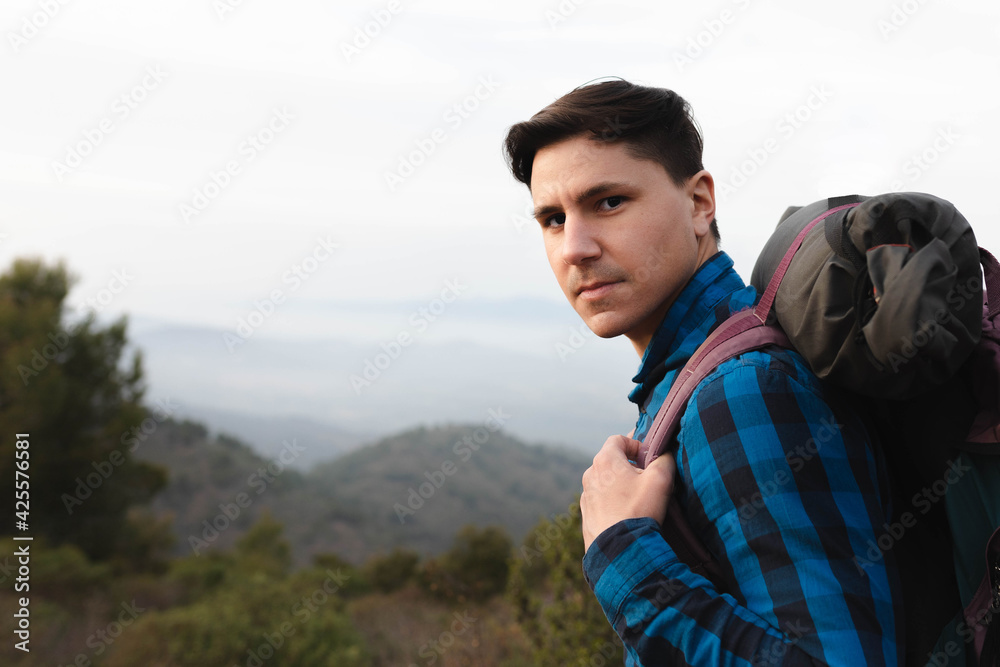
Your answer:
<point x="413" y="490"/>
<point x="267" y="435"/>
<point x="559" y="382"/>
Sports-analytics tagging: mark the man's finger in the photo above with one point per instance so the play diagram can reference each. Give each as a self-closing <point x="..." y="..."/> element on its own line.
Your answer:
<point x="613" y="448"/>
<point x="665" y="466"/>
<point x="627" y="445"/>
<point x="616" y="453"/>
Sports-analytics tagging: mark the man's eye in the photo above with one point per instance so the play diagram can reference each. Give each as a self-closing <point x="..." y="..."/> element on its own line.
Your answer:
<point x="555" y="219"/>
<point x="611" y="202"/>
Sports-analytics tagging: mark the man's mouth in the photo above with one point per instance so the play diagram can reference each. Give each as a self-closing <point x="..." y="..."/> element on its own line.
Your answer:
<point x="596" y="290"/>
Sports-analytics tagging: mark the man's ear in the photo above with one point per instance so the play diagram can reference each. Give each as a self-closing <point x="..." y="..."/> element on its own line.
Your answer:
<point x="701" y="190"/>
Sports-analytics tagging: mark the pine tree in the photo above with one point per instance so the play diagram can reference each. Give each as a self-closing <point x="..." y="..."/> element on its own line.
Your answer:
<point x="67" y="385"/>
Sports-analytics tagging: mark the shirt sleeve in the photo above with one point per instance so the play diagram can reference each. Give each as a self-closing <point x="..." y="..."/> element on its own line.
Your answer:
<point x="788" y="500"/>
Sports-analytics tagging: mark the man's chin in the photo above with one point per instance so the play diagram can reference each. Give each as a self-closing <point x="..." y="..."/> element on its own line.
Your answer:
<point x="605" y="325"/>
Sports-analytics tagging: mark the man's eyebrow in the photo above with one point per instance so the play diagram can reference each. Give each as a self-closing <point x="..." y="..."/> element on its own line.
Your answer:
<point x="592" y="191"/>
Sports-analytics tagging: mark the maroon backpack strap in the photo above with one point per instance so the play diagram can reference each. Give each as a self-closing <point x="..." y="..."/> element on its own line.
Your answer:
<point x="991" y="273"/>
<point x="984" y="605"/>
<point x="745" y="331"/>
<point x="984" y="363"/>
<point x="741" y="333"/>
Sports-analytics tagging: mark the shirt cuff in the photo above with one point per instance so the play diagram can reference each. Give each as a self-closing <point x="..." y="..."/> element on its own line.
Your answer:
<point x="621" y="557"/>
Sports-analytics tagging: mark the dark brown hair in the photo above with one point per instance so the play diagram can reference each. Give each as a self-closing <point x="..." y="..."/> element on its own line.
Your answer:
<point x="655" y="123"/>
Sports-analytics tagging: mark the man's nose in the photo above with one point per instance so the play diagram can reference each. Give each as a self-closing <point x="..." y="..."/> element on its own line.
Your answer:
<point x="579" y="242"/>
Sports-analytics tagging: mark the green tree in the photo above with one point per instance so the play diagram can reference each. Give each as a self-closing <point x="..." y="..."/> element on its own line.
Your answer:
<point x="476" y="566"/>
<point x="392" y="571"/>
<point x="68" y="386"/>
<point x="263" y="551"/>
<point x="249" y="611"/>
<point x="555" y="607"/>
<point x="199" y="576"/>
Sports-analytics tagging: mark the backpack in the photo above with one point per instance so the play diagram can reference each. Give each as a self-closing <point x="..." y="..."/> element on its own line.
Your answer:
<point x="883" y="297"/>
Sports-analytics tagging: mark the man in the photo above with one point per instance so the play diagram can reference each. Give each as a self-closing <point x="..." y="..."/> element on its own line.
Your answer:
<point x="778" y="481"/>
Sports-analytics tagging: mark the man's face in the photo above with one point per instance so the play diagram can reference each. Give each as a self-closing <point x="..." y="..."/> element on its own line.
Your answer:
<point x="622" y="239"/>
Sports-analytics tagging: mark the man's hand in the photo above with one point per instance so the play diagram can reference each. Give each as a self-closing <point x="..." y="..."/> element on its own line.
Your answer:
<point x="614" y="489"/>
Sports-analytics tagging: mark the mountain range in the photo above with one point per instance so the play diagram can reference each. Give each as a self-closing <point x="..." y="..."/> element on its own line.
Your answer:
<point x="411" y="490"/>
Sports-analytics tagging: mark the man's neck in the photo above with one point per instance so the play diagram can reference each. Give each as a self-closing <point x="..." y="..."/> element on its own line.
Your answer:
<point x="707" y="248"/>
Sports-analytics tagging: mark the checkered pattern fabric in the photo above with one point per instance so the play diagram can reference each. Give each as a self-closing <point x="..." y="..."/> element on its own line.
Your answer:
<point x="780" y="483"/>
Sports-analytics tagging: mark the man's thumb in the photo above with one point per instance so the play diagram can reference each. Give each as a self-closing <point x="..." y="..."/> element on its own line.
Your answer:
<point x="662" y="469"/>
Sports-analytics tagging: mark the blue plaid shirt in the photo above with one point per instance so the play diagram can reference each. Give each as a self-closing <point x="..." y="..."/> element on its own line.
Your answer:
<point x="781" y="485"/>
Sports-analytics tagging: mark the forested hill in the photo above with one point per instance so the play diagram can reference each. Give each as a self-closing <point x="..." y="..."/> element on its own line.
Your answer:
<point x="412" y="490"/>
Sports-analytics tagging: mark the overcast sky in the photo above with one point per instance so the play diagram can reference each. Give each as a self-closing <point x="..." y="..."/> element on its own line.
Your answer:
<point x="187" y="156"/>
